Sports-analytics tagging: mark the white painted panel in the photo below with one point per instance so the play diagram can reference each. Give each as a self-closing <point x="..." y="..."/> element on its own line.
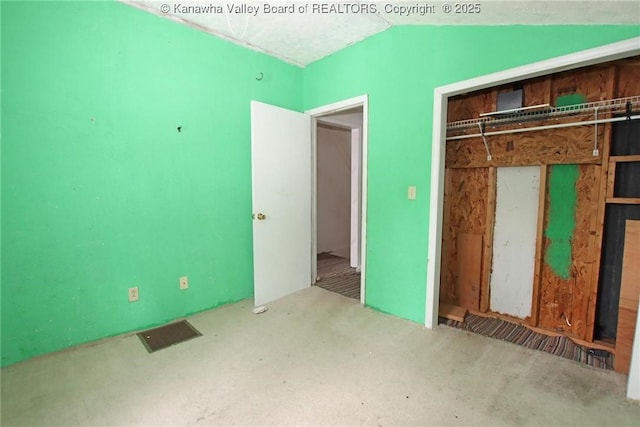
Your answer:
<point x="281" y="184"/>
<point x="514" y="240"/>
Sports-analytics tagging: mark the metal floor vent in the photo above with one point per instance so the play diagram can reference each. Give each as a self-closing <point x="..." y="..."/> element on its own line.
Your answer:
<point x="168" y="335"/>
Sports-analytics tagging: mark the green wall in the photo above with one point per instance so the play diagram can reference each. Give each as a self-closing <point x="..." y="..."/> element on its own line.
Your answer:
<point x="100" y="191"/>
<point x="399" y="69"/>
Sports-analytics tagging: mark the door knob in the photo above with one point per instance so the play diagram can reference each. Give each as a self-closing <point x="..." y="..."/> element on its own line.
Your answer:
<point x="261" y="216"/>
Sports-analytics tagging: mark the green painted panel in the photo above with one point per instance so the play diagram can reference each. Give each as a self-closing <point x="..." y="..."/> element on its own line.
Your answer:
<point x="562" y="217"/>
<point x="399" y="70"/>
<point x="100" y="191"/>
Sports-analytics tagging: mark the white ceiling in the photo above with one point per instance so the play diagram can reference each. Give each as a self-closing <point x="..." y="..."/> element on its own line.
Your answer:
<point x="305" y="35"/>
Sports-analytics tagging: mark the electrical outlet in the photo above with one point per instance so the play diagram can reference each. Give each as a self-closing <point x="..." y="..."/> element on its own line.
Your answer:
<point x="133" y="294"/>
<point x="184" y="283"/>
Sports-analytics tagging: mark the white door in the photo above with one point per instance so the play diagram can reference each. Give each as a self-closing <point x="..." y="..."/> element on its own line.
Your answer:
<point x="281" y="179"/>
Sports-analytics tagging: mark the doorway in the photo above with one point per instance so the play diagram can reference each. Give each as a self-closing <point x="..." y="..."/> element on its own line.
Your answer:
<point x="441" y="96"/>
<point x="339" y="147"/>
<point x="284" y="203"/>
<point x="338" y="200"/>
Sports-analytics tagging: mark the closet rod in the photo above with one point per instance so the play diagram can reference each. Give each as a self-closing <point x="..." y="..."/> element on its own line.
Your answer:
<point x="561" y="125"/>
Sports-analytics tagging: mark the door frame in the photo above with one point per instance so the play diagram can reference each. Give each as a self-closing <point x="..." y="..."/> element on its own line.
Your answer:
<point x="315" y="113"/>
<point x="606" y="53"/>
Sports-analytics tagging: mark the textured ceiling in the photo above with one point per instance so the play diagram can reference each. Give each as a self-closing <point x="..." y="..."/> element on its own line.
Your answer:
<point x="301" y="32"/>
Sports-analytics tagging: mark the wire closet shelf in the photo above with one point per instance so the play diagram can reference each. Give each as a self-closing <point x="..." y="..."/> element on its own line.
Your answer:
<point x="612" y="106"/>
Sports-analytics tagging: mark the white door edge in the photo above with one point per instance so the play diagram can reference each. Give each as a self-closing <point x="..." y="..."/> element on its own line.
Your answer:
<point x="315" y="113"/>
<point x="609" y="52"/>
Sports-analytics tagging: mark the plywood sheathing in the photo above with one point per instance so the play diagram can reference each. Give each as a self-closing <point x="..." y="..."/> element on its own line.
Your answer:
<point x="592" y="82"/>
<point x="572" y="145"/>
<point x="463" y="107"/>
<point x="465" y="201"/>
<point x="629" y="295"/>
<point x="564" y="300"/>
<point x="628" y="83"/>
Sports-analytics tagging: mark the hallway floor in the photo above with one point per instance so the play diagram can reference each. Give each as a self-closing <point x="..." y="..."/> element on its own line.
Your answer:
<point x="314" y="358"/>
<point x="336" y="275"/>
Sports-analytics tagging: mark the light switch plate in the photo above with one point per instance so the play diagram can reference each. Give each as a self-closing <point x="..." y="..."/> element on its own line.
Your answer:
<point x="411" y="192"/>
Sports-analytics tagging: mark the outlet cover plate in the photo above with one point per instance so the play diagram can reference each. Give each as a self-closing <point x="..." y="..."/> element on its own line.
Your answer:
<point x="133" y="294"/>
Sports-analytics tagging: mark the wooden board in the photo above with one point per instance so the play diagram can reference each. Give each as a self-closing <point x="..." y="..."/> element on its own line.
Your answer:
<point x="630" y="281"/>
<point x="629" y="294"/>
<point x="537" y="278"/>
<point x="468" y="270"/>
<point x="627" y="320"/>
<point x="452" y="312"/>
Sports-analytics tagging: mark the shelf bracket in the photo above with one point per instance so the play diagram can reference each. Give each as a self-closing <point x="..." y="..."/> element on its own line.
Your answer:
<point x="484" y="139"/>
<point x="595" y="140"/>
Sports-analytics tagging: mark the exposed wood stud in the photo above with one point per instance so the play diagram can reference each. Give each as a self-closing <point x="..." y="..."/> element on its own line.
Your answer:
<point x="611" y="179"/>
<point x="595" y="253"/>
<point x="488" y="240"/>
<point x="537" y="278"/>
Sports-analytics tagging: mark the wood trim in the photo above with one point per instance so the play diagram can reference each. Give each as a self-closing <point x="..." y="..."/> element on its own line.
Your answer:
<point x="452" y="312"/>
<point x="537" y="272"/>
<point x="487" y="257"/>
<point x="621" y="159"/>
<point x="624" y="200"/>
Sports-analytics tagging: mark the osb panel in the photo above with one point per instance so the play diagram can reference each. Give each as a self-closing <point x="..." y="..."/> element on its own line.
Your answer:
<point x="465" y="212"/>
<point x="572" y="145"/>
<point x="564" y="303"/>
<point x="465" y="107"/>
<point x="535" y="91"/>
<point x="588" y="192"/>
<point x="538" y="91"/>
<point x="590" y="82"/>
<point x="628" y="80"/>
